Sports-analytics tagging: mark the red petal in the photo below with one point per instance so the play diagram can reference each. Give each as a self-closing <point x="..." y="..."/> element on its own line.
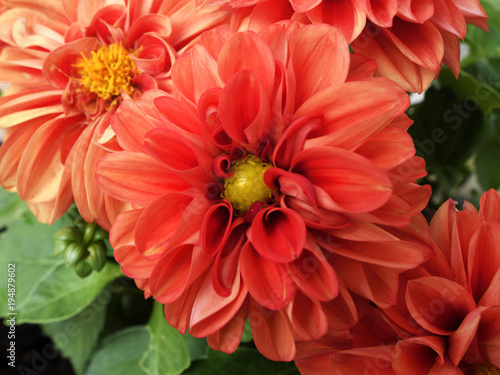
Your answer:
<point x="267" y="282"/>
<point x="381" y="13"/>
<point x="460" y="340"/>
<point x="278" y="234"/>
<point x="136" y="178"/>
<point x="247" y="51"/>
<point x="371" y="360"/>
<point x="490" y="206"/>
<point x="291" y="184"/>
<point x="415" y="11"/>
<point x="272" y="333"/>
<point x="133" y="263"/>
<point x="352" y="182"/>
<point x="244" y="110"/>
<point x="418" y="355"/>
<point x="438" y="305"/>
<point x="122" y="231"/>
<point x="307" y="317"/>
<point x="319" y="58"/>
<point x="215" y="228"/>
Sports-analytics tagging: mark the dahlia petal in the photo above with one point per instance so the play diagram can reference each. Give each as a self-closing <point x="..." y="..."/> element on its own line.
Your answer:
<point x="194" y="73"/>
<point x="211" y="311"/>
<point x="460" y="340"/>
<point x="272" y="333"/>
<point x="307" y="317"/>
<point x="483" y="258"/>
<point x="314" y="276"/>
<point x="418" y="355"/>
<point x="452" y="52"/>
<point x="246" y="120"/>
<point x="133" y="119"/>
<point x="382" y="13"/>
<point x="155" y="57"/>
<point x="159" y="221"/>
<point x="347" y="123"/>
<point x="133" y="263"/>
<point x="278" y="234"/>
<point x="175" y="272"/>
<point x="213" y="40"/>
<point x="302" y="6"/>
<point x="416" y="11"/>
<point x="227" y="339"/>
<point x="341" y="312"/>
<point x="319" y="58"/>
<point x="489" y="335"/>
<point x="58" y="64"/>
<point x="360" y="68"/>
<point x="388" y="148"/>
<point x="178" y="313"/>
<point x="122" y="231"/>
<point x="437" y="304"/>
<point x="293" y="139"/>
<point x="291" y="184"/>
<point x="158" y="24"/>
<point x="490" y="206"/>
<point x="353" y="182"/>
<point x="363" y="360"/>
<point x="177" y="114"/>
<point x="347" y="15"/>
<point x="449" y="18"/>
<point x="215" y="228"/>
<point x="247" y="51"/>
<point x="135" y="177"/>
<point x="272" y="286"/>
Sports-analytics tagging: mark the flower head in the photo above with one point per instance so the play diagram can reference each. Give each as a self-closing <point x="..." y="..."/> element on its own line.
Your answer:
<point x="69" y="65"/>
<point x="262" y="189"/>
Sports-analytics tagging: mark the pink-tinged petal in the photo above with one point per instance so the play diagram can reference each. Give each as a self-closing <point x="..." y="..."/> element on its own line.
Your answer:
<point x="58" y="68"/>
<point x="133" y="119"/>
<point x="360" y="68"/>
<point x="136" y="178"/>
<point x="319" y="59"/>
<point x="347" y="15"/>
<point x="247" y="119"/>
<point x="278" y="234"/>
<point x="228" y="338"/>
<point x="247" y="51"/>
<point x="441" y="227"/>
<point x="213" y="40"/>
<point x="268" y="282"/>
<point x="376" y="360"/>
<point x="215" y="228"/>
<point x="194" y="73"/>
<point x="266" y="13"/>
<point x="307" y="317"/>
<point x="159" y="221"/>
<point x="347" y="123"/>
<point x="381" y="13"/>
<point x="483" y="258"/>
<point x="302" y="6"/>
<point x="176" y="271"/>
<point x="388" y="148"/>
<point x="211" y="311"/>
<point x="452" y="52"/>
<point x="272" y="333"/>
<point x="155" y="57"/>
<point x="376" y="283"/>
<point x="170" y="149"/>
<point x="438" y="305"/>
<point x="417" y="355"/>
<point x="293" y="139"/>
<point x="133" y="263"/>
<point x="158" y="24"/>
<point x="460" y="340"/>
<point x="122" y="231"/>
<point x="415" y="11"/>
<point x="341" y="312"/>
<point x="353" y="183"/>
<point x="490" y="206"/>
<point x="313" y="275"/>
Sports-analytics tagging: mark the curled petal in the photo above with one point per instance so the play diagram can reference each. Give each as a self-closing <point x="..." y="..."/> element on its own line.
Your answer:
<point x="307" y="317"/>
<point x="291" y="184"/>
<point x="278" y="234"/>
<point x="215" y="228"/>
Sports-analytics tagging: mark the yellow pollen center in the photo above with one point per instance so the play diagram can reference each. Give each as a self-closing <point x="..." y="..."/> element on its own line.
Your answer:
<point x="486" y="370"/>
<point x="246" y="185"/>
<point x="107" y="71"/>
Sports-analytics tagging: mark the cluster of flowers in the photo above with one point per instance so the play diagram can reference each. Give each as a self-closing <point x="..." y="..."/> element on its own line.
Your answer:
<point x="250" y="166"/>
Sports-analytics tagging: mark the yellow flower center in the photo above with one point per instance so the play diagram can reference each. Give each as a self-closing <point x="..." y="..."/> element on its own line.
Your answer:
<point x="246" y="184"/>
<point x="107" y="71"/>
<point x="486" y="370"/>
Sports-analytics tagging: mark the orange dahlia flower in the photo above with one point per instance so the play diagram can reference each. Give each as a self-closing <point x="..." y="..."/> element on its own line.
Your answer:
<point x="447" y="319"/>
<point x="69" y="64"/>
<point x="276" y="188"/>
<point x="408" y="39"/>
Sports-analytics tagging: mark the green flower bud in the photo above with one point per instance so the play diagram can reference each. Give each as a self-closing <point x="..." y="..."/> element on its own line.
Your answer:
<point x="97" y="255"/>
<point x="100" y="234"/>
<point x="83" y="268"/>
<point x="68" y="234"/>
<point x="74" y="253"/>
<point x="88" y="233"/>
<point x="60" y="246"/>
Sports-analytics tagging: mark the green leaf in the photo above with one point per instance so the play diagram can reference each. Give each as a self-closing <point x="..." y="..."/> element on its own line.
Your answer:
<point x="77" y="336"/>
<point x="197" y="347"/>
<point x="244" y="361"/>
<point x="486" y="162"/>
<point x="485" y="44"/>
<point x="120" y="353"/>
<point x="167" y="353"/>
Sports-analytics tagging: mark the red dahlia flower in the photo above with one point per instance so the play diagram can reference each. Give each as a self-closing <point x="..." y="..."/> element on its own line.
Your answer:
<point x="447" y="319"/>
<point x="408" y="39"/>
<point x="69" y="64"/>
<point x="273" y="189"/>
